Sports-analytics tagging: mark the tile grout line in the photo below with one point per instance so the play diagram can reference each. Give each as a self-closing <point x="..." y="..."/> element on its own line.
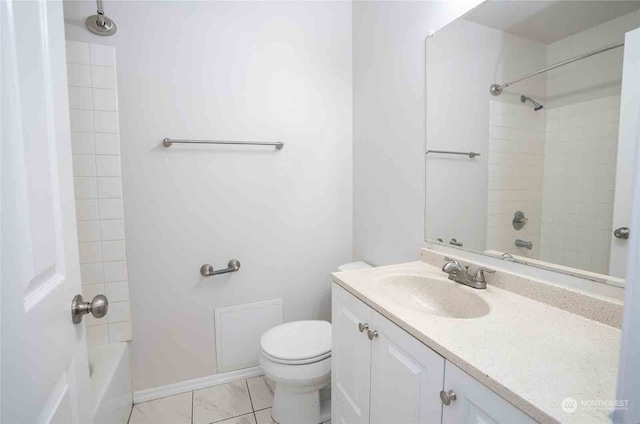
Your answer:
<point x="130" y="414"/>
<point x="253" y="410"/>
<point x="249" y="391"/>
<point x="230" y="418"/>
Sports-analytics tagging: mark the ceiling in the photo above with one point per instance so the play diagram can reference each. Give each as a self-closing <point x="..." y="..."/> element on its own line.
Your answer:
<point x="548" y="21"/>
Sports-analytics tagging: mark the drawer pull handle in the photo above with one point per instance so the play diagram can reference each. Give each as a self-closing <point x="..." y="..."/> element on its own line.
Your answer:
<point x="372" y="334"/>
<point x="447" y="397"/>
<point x="363" y="327"/>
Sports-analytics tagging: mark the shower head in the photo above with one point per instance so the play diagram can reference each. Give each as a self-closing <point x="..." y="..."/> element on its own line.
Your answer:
<point x="99" y="24"/>
<point x="536" y="105"/>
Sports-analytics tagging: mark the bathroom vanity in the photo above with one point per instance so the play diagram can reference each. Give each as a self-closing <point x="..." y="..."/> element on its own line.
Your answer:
<point x="411" y="346"/>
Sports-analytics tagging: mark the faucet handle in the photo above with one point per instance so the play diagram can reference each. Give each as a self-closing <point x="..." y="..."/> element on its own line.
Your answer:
<point x="478" y="277"/>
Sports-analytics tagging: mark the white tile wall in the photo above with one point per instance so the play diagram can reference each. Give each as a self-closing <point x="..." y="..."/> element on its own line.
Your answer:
<point x="98" y="187"/>
<point x="78" y="75"/>
<point x="579" y="182"/>
<point x="516" y="155"/>
<point x="82" y="143"/>
<point x="558" y="166"/>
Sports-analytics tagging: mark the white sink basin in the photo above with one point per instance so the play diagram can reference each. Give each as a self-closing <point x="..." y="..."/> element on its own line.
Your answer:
<point x="434" y="296"/>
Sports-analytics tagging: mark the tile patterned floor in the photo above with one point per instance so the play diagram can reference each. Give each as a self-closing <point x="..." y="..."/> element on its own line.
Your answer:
<point x="240" y="402"/>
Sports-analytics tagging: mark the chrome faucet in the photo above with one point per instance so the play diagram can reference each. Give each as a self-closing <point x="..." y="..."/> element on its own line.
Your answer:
<point x="461" y="274"/>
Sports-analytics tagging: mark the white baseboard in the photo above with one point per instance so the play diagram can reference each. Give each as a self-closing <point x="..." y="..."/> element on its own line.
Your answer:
<point x="195" y="384"/>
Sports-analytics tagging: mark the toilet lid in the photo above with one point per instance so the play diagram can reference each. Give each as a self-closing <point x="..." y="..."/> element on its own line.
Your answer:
<point x="298" y="340"/>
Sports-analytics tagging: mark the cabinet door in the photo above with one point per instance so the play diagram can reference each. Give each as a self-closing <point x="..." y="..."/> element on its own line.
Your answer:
<point x="406" y="377"/>
<point x="350" y="359"/>
<point x="475" y="403"/>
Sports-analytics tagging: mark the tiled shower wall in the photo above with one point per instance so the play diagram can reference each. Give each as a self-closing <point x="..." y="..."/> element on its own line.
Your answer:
<point x="558" y="166"/>
<point x="95" y="138"/>
<point x="516" y="161"/>
<point x="579" y="183"/>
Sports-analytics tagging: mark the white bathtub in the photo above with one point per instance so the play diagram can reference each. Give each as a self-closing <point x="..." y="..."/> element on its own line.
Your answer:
<point x="111" y="383"/>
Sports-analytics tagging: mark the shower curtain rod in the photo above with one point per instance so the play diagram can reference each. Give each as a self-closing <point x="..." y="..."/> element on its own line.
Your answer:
<point x="496" y="89"/>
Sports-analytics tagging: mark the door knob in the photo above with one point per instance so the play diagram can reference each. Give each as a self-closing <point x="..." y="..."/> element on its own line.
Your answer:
<point x="372" y="334"/>
<point x="79" y="308"/>
<point x="363" y="327"/>
<point x="621" y="233"/>
<point x="447" y="397"/>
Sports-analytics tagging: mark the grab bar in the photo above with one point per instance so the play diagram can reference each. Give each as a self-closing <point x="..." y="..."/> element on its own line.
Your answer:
<point x="167" y="142"/>
<point x="206" y="270"/>
<point x="448" y="152"/>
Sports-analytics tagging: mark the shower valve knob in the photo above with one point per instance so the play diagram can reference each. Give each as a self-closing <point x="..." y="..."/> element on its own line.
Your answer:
<point x="97" y="307"/>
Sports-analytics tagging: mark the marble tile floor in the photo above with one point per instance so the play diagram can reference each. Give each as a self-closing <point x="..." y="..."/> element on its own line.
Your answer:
<point x="240" y="402"/>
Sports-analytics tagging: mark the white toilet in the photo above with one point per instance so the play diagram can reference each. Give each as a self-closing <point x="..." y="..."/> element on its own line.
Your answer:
<point x="297" y="357"/>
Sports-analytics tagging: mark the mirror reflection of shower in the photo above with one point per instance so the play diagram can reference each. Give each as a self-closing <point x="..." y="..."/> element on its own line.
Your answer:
<point x="536" y="106"/>
<point x="99" y="24"/>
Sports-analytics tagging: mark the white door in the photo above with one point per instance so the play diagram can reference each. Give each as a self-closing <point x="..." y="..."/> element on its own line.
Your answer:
<point x="629" y="372"/>
<point x="626" y="162"/>
<point x="406" y="377"/>
<point x="44" y="371"/>
<point x="350" y="359"/>
<point x="476" y="404"/>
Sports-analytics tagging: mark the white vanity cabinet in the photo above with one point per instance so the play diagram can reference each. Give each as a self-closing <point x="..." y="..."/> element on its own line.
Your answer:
<point x="381" y="374"/>
<point x="475" y="403"/>
<point x="351" y="367"/>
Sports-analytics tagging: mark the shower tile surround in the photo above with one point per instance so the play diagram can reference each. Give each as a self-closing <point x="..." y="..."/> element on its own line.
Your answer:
<point x="579" y="182"/>
<point x="516" y="162"/>
<point x="95" y="139"/>
<point x="556" y="165"/>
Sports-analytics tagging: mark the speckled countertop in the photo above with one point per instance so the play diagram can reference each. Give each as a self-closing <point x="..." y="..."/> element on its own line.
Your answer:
<point x="532" y="354"/>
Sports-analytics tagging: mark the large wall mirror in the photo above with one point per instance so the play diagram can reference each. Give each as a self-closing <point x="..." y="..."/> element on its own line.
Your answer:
<point x="523" y="109"/>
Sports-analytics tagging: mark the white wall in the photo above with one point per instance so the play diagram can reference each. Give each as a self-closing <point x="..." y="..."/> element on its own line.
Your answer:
<point x="239" y="71"/>
<point x="464" y="59"/>
<point x="389" y="123"/>
<point x="629" y="371"/>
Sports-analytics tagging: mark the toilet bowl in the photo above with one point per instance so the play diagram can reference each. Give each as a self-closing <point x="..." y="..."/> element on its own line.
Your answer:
<point x="297" y="357"/>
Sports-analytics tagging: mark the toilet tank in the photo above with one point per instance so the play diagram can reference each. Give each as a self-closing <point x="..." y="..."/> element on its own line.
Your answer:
<point x="352" y="266"/>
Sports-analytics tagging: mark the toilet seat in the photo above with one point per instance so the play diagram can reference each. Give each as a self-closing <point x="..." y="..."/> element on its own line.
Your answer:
<point x="298" y="342"/>
<point x="297" y="361"/>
